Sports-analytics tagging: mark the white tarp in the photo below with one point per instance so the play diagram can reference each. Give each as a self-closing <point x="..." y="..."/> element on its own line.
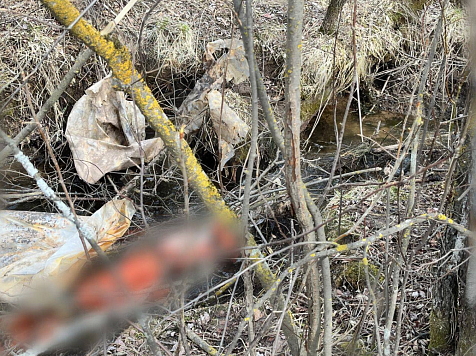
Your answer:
<point x="37" y="246"/>
<point x="106" y="132"/>
<point x="231" y="129"/>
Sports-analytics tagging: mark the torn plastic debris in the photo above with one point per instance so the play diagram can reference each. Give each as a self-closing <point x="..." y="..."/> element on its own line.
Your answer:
<point x="237" y="69"/>
<point x="106" y="133"/>
<point x="38" y="246"/>
<point x="195" y="105"/>
<point x="233" y="130"/>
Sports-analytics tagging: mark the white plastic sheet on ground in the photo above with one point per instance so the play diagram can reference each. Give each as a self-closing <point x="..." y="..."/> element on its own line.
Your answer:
<point x="105" y="133"/>
<point x="231" y="128"/>
<point x="37" y="246"/>
<point x="204" y="95"/>
<point x="193" y="108"/>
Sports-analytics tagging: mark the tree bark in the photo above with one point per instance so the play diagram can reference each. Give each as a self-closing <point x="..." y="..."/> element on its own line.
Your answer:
<point x="445" y="292"/>
<point x="329" y="23"/>
<point x="292" y="155"/>
<point x="467" y="327"/>
<point x="467" y="310"/>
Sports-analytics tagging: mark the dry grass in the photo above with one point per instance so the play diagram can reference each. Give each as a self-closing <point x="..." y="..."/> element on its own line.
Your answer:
<point x="173" y="44"/>
<point x="387" y="30"/>
<point x="175" y="36"/>
<point x="24" y="42"/>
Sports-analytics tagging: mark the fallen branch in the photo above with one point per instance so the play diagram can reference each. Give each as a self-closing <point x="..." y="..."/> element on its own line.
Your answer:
<point x="197" y="340"/>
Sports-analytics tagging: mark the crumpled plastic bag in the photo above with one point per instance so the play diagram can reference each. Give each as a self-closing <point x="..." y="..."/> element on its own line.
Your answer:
<point x="237" y="69"/>
<point x="37" y="246"/>
<point x="193" y="109"/>
<point x="104" y="131"/>
<point x="233" y="130"/>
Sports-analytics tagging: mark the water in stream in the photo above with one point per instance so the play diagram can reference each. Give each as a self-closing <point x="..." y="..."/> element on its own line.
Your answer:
<point x="320" y="138"/>
<point x="319" y="141"/>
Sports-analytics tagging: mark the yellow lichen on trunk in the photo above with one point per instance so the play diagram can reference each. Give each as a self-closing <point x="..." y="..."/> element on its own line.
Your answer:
<point x="119" y="60"/>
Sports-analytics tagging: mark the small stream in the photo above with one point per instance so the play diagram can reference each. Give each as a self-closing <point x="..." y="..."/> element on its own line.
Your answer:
<point x="319" y="142"/>
<point x="320" y="138"/>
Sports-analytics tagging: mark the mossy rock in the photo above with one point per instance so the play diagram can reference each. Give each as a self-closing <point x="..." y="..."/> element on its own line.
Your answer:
<point x="353" y="275"/>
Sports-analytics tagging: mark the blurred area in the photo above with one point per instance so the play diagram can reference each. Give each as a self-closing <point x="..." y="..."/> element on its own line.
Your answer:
<point x="385" y="110"/>
<point x="92" y="297"/>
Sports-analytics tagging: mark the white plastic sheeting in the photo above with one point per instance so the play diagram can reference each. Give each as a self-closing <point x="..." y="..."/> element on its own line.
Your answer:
<point x="106" y="133"/>
<point x="37" y="246"/>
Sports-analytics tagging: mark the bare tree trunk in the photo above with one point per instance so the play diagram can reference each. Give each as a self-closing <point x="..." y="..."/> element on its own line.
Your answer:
<point x="467" y="312"/>
<point x="292" y="147"/>
<point x="292" y="154"/>
<point x="292" y="125"/>
<point x="467" y="322"/>
<point x="467" y="309"/>
<point x="445" y="292"/>
<point x="467" y="337"/>
<point x="329" y="23"/>
<point x="288" y="327"/>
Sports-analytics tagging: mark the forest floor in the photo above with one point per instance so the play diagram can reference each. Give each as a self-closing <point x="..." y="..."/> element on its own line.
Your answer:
<point x="174" y="39"/>
<point x="221" y="315"/>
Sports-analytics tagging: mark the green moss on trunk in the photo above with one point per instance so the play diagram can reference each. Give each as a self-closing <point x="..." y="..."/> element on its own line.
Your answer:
<point x="440" y="333"/>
